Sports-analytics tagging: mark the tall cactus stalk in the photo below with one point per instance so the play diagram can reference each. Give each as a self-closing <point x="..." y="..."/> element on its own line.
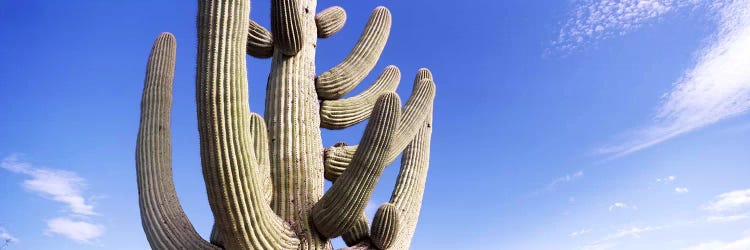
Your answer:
<point x="265" y="175"/>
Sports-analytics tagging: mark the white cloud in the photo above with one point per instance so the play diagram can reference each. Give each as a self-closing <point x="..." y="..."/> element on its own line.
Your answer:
<point x="681" y="190"/>
<point x="599" y="246"/>
<point x="668" y="179"/>
<point x="6" y="237"/>
<point x="564" y="179"/>
<point x="740" y="244"/>
<point x="620" y="205"/>
<point x="729" y="202"/>
<point x="717" y="87"/>
<point x="612" y="240"/>
<point x="579" y="233"/>
<point x="594" y="20"/>
<point x="727" y="218"/>
<point x="58" y="185"/>
<point x="80" y="231"/>
<point x="62" y="186"/>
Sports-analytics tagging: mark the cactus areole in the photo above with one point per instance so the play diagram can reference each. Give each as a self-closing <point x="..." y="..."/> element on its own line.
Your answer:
<point x="264" y="175"/>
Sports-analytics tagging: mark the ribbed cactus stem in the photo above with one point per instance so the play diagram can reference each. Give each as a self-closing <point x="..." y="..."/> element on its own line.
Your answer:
<point x="295" y="143"/>
<point x="343" y="113"/>
<point x="385" y="226"/>
<point x="330" y="21"/>
<point x="357" y="233"/>
<point x="286" y="26"/>
<point x="414" y="113"/>
<point x="342" y="78"/>
<point x="259" y="41"/>
<point x="235" y="190"/>
<point x="260" y="147"/>
<point x="341" y="206"/>
<point x="163" y="219"/>
<point x="410" y="183"/>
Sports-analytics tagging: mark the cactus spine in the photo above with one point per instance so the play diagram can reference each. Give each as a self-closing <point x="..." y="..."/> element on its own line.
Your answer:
<point x="264" y="175"/>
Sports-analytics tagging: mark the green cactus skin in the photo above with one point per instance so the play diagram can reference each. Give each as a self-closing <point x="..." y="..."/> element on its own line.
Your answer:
<point x="330" y="21"/>
<point x="265" y="175"/>
<point x="357" y="233"/>
<point x="342" y="78"/>
<point x="338" y="157"/>
<point x="385" y="226"/>
<point x="234" y="188"/>
<point x="259" y="41"/>
<point x="339" y="208"/>
<point x="286" y="26"/>
<point x="410" y="183"/>
<point x="343" y="113"/>
<point x="163" y="219"/>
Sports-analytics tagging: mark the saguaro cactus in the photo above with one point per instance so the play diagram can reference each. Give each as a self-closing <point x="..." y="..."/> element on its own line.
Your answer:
<point x="265" y="176"/>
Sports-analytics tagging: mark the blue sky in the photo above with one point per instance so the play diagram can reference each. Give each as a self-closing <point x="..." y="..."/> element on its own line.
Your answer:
<point x="574" y="124"/>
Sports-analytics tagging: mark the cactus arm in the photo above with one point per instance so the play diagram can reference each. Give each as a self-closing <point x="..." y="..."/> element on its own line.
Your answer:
<point x="163" y="219"/>
<point x="342" y="78"/>
<point x="385" y="226"/>
<point x="340" y="208"/>
<point x="286" y="25"/>
<point x="342" y="113"/>
<point x="235" y="193"/>
<point x="358" y="233"/>
<point x="338" y="157"/>
<point x="330" y="21"/>
<point x="410" y="183"/>
<point x="259" y="41"/>
<point x="260" y="146"/>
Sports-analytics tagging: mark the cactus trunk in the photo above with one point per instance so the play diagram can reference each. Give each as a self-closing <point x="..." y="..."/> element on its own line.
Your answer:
<point x="294" y="134"/>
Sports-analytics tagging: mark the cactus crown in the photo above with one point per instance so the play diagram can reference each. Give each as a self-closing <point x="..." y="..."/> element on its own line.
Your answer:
<point x="264" y="175"/>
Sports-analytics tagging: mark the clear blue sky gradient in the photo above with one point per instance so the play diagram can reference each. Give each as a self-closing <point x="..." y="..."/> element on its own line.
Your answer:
<point x="510" y="119"/>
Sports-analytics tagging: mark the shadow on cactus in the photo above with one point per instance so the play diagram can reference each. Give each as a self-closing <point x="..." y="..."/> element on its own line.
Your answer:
<point x="265" y="175"/>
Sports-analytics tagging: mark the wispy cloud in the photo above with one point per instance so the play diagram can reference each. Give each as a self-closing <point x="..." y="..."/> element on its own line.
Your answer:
<point x="564" y="179"/>
<point x="611" y="240"/>
<point x="579" y="233"/>
<point x="668" y="179"/>
<point x="620" y="205"/>
<point x="717" y="87"/>
<point x="727" y="218"/>
<point x="595" y="20"/>
<point x="740" y="244"/>
<point x="62" y="186"/>
<point x="58" y="185"/>
<point x="80" y="231"/>
<point x="681" y="190"/>
<point x="6" y="237"/>
<point x="730" y="201"/>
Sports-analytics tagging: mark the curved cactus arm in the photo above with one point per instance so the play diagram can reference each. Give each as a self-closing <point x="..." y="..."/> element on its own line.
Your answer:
<point x="385" y="226"/>
<point x="330" y="21"/>
<point x="286" y="26"/>
<point x="163" y="219"/>
<point x="340" y="208"/>
<point x="359" y="232"/>
<point x="338" y="157"/>
<point x="342" y="78"/>
<point x="260" y="146"/>
<point x="343" y="113"/>
<point x="410" y="183"/>
<point x="259" y="41"/>
<point x="235" y="191"/>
